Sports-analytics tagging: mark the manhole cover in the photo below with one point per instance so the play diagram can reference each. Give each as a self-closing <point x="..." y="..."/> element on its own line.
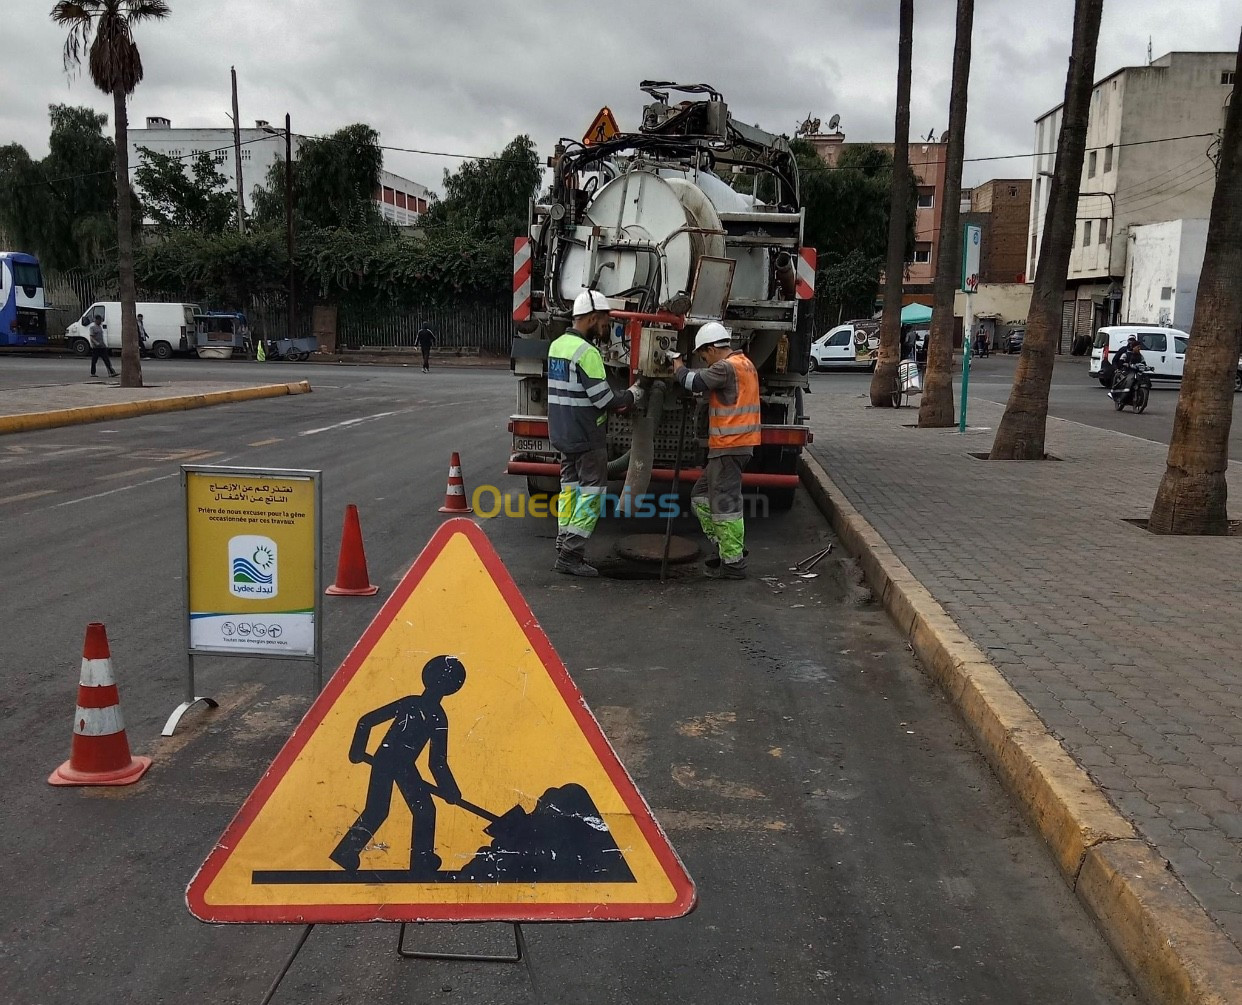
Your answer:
<point x="650" y="548"/>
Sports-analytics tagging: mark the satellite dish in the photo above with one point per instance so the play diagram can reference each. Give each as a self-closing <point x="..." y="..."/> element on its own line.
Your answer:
<point x="833" y="123"/>
<point x="943" y="136"/>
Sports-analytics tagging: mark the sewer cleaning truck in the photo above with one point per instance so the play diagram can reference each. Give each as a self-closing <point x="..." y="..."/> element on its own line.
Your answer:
<point x="694" y="218"/>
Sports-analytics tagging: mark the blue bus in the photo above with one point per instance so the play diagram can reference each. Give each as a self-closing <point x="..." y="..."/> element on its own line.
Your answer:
<point x="23" y="303"/>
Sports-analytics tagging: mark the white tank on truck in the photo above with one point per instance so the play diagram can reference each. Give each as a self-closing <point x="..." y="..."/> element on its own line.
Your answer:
<point x="648" y="219"/>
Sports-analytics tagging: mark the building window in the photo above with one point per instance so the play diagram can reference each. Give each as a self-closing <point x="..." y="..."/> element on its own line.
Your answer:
<point x="1166" y="293"/>
<point x="1108" y="158"/>
<point x="1103" y="239"/>
<point x="927" y="197"/>
<point x="1091" y="159"/>
<point x="1034" y="252"/>
<point x="1013" y="191"/>
<point x="1226" y="76"/>
<point x="1086" y="233"/>
<point x="922" y="253"/>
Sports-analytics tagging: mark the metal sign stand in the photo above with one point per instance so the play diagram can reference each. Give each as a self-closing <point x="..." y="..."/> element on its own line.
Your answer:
<point x="192" y="698"/>
<point x="520" y="955"/>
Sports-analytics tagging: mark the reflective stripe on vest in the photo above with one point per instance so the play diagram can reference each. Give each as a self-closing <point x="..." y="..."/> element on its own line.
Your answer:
<point x="737" y="425"/>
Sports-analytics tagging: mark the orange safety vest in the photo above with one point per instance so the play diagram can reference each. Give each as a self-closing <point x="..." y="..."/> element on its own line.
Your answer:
<point x="736" y="425"/>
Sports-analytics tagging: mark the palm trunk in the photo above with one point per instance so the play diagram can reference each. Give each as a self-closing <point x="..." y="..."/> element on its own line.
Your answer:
<point x="936" y="409"/>
<point x="885" y="377"/>
<point x="1020" y="435"/>
<point x="131" y="361"/>
<point x="1193" y="493"/>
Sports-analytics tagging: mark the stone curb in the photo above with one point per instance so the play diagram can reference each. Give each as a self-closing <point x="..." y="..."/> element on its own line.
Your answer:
<point x="27" y="422"/>
<point x="1168" y="943"/>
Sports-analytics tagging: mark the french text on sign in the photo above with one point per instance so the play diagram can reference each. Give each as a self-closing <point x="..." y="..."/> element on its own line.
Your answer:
<point x="450" y="771"/>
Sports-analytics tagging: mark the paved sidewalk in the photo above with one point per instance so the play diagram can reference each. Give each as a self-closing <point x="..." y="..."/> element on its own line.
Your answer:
<point x="1127" y="645"/>
<point x="22" y="398"/>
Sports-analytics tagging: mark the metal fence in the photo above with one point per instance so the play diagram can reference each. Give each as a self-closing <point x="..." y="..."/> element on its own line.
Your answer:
<point x="490" y="329"/>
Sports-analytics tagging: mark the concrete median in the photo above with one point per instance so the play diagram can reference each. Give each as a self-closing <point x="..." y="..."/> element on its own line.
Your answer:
<point x="1169" y="944"/>
<point x="27" y="422"/>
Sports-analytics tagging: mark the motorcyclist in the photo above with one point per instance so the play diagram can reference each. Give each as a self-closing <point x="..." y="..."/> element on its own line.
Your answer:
<point x="1125" y="367"/>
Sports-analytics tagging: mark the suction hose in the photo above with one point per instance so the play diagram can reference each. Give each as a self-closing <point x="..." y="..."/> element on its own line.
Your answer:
<point x="642" y="450"/>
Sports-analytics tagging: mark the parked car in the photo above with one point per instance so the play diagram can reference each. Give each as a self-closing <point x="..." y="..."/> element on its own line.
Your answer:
<point x="1014" y="342"/>
<point x="1164" y="352"/>
<point x="170" y="327"/>
<point x="851" y="346"/>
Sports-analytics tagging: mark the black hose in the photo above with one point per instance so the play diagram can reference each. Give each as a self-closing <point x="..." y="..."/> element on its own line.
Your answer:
<point x="668" y="527"/>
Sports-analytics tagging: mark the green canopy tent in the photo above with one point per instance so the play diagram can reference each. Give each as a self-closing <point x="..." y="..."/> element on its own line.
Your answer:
<point x="915" y="314"/>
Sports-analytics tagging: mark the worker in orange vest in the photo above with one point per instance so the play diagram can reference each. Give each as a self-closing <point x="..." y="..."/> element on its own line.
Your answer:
<point x="734" y="427"/>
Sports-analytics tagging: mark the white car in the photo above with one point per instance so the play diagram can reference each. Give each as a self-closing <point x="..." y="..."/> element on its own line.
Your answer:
<point x="1164" y="351"/>
<point x="853" y="346"/>
<point x="170" y="327"/>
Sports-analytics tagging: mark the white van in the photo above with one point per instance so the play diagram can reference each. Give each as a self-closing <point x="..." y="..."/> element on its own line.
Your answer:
<point x="170" y="327"/>
<point x="853" y="345"/>
<point x="1164" y="351"/>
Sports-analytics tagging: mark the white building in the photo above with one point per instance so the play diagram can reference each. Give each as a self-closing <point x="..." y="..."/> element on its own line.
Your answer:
<point x="1149" y="159"/>
<point x="400" y="200"/>
<point x="1162" y="273"/>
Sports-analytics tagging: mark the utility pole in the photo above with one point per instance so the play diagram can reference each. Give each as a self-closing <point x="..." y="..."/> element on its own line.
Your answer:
<point x="237" y="165"/>
<point x="289" y="218"/>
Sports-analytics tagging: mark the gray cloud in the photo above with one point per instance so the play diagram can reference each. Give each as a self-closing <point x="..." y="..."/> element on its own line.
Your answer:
<point x="466" y="76"/>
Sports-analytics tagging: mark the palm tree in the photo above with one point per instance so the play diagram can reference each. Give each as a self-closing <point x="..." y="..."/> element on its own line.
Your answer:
<point x="101" y="31"/>
<point x="885" y="377"/>
<point x="1192" y="495"/>
<point x="1020" y="435"/>
<point x="936" y="408"/>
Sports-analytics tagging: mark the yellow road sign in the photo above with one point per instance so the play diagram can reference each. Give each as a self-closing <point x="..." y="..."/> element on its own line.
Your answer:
<point x="450" y="771"/>
<point x="603" y="127"/>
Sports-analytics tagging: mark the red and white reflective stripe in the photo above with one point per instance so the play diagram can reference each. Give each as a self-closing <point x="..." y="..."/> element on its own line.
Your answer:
<point x="805" y="289"/>
<point x="96" y="673"/>
<point x="521" y="278"/>
<point x="98" y="721"/>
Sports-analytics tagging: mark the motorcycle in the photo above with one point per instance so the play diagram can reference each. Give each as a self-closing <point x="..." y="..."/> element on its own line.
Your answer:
<point x="1131" y="386"/>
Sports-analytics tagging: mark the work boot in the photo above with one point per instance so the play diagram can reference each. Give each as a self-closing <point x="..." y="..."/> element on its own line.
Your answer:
<point x="572" y="565"/>
<point x="726" y="570"/>
<point x="714" y="563"/>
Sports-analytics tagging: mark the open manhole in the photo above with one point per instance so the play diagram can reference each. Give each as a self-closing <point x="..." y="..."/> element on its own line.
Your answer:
<point x="985" y="456"/>
<point x="640" y="556"/>
<point x="1235" y="529"/>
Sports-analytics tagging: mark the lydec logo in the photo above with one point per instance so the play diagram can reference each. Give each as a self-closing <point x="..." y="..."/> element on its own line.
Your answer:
<point x="252" y="566"/>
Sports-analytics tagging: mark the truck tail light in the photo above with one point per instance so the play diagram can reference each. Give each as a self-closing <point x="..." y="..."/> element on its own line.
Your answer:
<point x="533" y="428"/>
<point x="786" y="436"/>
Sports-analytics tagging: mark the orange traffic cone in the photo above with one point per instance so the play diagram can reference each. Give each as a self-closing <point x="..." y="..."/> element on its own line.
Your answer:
<point x="352" y="578"/>
<point x="100" y="752"/>
<point x="455" y="494"/>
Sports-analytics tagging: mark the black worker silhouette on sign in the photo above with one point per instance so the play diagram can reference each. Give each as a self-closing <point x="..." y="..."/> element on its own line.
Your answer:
<point x="418" y="722"/>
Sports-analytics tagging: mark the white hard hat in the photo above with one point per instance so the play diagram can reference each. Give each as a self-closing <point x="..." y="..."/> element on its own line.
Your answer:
<point x="588" y="302"/>
<point x="712" y="333"/>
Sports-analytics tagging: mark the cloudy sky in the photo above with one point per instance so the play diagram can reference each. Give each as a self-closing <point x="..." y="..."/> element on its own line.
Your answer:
<point x="465" y="76"/>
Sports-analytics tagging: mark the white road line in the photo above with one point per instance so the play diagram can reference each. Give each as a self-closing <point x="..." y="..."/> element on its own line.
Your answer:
<point x="126" y="488"/>
<point x="351" y="422"/>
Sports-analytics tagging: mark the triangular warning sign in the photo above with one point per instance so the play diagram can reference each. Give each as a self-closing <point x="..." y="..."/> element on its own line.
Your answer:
<point x="602" y="128"/>
<point x="450" y="771"/>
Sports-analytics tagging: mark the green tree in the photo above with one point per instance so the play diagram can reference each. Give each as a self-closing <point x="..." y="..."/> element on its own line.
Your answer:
<point x="62" y="208"/>
<point x="101" y="31"/>
<point x="490" y="198"/>
<point x="1193" y="493"/>
<point x="177" y="200"/>
<point x="335" y="179"/>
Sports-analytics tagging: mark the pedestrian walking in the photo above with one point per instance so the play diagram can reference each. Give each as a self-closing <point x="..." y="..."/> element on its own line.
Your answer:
<point x="142" y="337"/>
<point x="425" y="339"/>
<point x="579" y="400"/>
<point x="733" y="431"/>
<point x="99" y="347"/>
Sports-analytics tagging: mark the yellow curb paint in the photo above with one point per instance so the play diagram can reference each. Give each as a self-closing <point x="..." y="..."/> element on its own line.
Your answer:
<point x="32" y="421"/>
<point x="1167" y="942"/>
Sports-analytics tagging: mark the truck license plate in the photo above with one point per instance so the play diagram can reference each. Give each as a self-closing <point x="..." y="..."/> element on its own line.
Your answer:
<point x="530" y="446"/>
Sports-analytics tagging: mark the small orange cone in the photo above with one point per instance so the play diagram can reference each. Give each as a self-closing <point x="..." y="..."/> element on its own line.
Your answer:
<point x="352" y="578"/>
<point x="455" y="494"/>
<point x="100" y="752"/>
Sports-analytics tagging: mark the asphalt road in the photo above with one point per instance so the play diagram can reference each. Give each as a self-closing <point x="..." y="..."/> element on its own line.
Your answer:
<point x="848" y="843"/>
<point x="1074" y="396"/>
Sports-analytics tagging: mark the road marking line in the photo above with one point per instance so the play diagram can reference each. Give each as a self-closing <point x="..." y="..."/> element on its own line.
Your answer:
<point x="124" y="474"/>
<point x="350" y="422"/>
<point x="28" y="495"/>
<point x="126" y="488"/>
<point x="266" y="443"/>
<point x="200" y="455"/>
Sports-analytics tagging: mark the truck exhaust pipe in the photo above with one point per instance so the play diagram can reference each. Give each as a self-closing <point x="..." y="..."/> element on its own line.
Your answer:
<point x="786" y="275"/>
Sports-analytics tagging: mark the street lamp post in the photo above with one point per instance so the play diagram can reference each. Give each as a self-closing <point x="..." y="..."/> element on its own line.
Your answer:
<point x="289" y="225"/>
